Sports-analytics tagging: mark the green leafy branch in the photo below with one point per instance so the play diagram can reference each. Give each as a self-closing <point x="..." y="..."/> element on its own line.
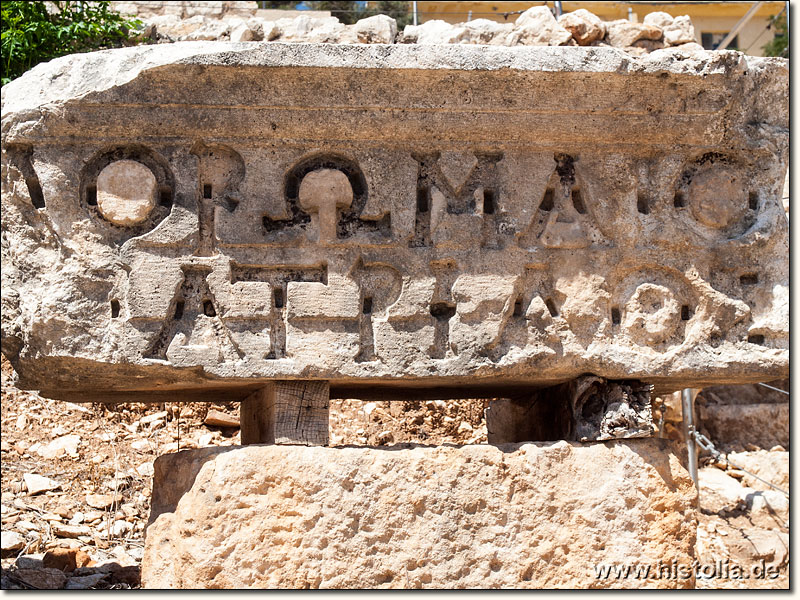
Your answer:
<point x="32" y="33"/>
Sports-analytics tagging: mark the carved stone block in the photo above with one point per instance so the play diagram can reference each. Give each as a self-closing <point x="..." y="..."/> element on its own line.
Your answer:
<point x="200" y="217"/>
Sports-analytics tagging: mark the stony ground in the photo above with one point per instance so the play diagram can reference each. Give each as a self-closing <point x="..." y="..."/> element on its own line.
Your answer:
<point x="76" y="478"/>
<point x="76" y="482"/>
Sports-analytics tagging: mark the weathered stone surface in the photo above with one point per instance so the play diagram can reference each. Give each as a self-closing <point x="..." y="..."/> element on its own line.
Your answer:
<point x="623" y="33"/>
<point x="584" y="26"/>
<point x="434" y="31"/>
<point x="35" y="484"/>
<point x="378" y="29"/>
<point x="41" y="579"/>
<point x="508" y="226"/>
<point x="309" y="29"/>
<point x="184" y="8"/>
<point x="538" y="27"/>
<point x="65" y="559"/>
<point x="216" y="418"/>
<point x="11" y="541"/>
<point x="677" y="30"/>
<point x="763" y="425"/>
<point x="126" y="192"/>
<point x="773" y="466"/>
<point x="417" y="517"/>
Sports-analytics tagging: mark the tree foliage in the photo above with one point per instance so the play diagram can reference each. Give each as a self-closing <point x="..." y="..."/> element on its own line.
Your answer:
<point x="778" y="45"/>
<point x="33" y="34"/>
<point x="278" y="5"/>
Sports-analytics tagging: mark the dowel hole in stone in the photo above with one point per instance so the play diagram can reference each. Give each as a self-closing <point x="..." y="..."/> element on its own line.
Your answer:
<point x="442" y="310"/>
<point x="91" y="195"/>
<point x="422" y="199"/>
<point x="518" y="307"/>
<point x="749" y="279"/>
<point x="756" y="339"/>
<point x="208" y="308"/>
<point x="114" y="309"/>
<point x="367" y="306"/>
<point x="680" y="200"/>
<point x="551" y="307"/>
<point x="488" y="202"/>
<point x="577" y="201"/>
<point x="547" y="201"/>
<point x="616" y="317"/>
<point x="686" y="313"/>
<point x="278" y="297"/>
<point x="179" y="309"/>
<point x="207" y="190"/>
<point x="642" y="205"/>
<point x="35" y="192"/>
<point x="753" y="200"/>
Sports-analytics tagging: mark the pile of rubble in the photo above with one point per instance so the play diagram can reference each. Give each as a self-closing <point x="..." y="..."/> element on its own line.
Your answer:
<point x="742" y="520"/>
<point x="535" y="27"/>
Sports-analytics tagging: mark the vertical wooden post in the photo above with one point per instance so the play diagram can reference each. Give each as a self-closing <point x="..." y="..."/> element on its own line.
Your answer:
<point x="286" y="412"/>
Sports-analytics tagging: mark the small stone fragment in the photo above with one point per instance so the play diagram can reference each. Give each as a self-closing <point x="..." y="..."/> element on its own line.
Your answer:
<point x="146" y="469"/>
<point x="378" y="29"/>
<point x="69" y="531"/>
<point x="120" y="528"/>
<point x="100" y="501"/>
<point x="154" y="417"/>
<point x="242" y="33"/>
<point x="623" y="33"/>
<point x="36" y="484"/>
<point x="11" y="541"/>
<point x="216" y="418"/>
<point x="538" y="27"/>
<point x="141" y="445"/>
<point x="434" y="31"/>
<point x="658" y="19"/>
<point x="41" y="579"/>
<point x="584" y="26"/>
<point x="385" y="437"/>
<point x="58" y="447"/>
<point x="85" y="582"/>
<point x="66" y="559"/>
<point x="213" y="30"/>
<point x="130" y="576"/>
<point x="678" y="30"/>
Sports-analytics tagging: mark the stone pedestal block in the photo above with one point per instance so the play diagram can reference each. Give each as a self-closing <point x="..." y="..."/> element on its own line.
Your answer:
<point x="510" y="516"/>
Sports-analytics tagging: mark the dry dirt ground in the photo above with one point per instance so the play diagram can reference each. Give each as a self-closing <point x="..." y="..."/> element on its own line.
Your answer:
<point x="76" y="482"/>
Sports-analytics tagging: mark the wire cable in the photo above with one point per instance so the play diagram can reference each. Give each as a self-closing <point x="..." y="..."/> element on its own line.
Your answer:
<point x="774" y="388"/>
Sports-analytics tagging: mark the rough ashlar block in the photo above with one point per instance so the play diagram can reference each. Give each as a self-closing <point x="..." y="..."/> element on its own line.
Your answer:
<point x="421" y="517"/>
<point x="372" y="216"/>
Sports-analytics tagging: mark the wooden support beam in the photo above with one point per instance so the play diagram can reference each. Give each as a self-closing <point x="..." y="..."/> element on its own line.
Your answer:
<point x="286" y="412"/>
